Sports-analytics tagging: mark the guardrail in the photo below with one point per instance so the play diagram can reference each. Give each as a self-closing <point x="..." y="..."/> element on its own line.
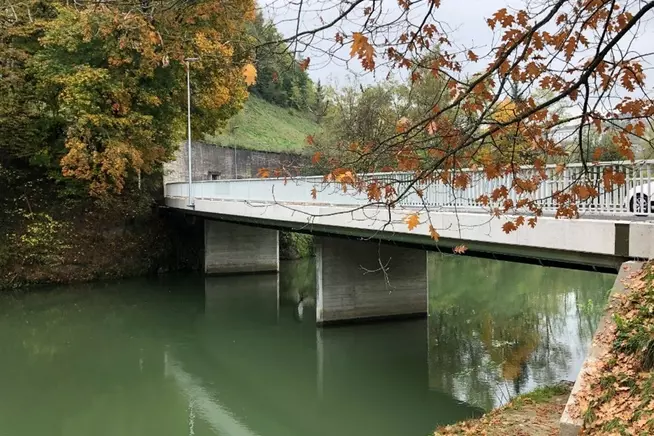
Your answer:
<point x="635" y="196"/>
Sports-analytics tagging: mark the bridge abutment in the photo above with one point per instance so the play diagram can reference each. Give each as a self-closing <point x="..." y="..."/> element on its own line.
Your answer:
<point x="237" y="249"/>
<point x="360" y="280"/>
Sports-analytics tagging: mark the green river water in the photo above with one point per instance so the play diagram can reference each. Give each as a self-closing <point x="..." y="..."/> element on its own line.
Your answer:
<point x="234" y="356"/>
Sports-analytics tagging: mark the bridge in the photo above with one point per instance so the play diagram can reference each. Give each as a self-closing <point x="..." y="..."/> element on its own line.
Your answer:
<point x="379" y="268"/>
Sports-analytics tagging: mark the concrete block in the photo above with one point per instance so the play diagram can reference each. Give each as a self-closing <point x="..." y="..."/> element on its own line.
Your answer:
<point x="235" y="249"/>
<point x="367" y="279"/>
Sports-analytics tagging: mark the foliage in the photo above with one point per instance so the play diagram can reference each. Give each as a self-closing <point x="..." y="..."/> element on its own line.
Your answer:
<point x="566" y="52"/>
<point x="98" y="90"/>
<point x="264" y="126"/>
<point x="295" y="245"/>
<point x="281" y="80"/>
<point x="42" y="241"/>
<point x="358" y="117"/>
<point x="618" y="393"/>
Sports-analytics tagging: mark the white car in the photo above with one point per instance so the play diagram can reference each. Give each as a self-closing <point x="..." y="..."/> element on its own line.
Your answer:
<point x="640" y="198"/>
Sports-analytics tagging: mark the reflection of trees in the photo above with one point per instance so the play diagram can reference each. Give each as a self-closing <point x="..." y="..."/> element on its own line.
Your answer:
<point x="496" y="328"/>
<point x="297" y="279"/>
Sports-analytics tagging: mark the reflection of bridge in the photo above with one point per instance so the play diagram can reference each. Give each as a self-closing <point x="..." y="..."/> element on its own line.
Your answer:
<point x="354" y="278"/>
<point x="325" y="382"/>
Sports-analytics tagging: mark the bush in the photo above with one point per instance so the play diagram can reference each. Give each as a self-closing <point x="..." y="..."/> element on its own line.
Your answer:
<point x="42" y="241"/>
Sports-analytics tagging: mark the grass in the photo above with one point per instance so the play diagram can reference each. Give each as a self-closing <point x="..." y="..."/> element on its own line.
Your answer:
<point x="266" y="127"/>
<point x="540" y="395"/>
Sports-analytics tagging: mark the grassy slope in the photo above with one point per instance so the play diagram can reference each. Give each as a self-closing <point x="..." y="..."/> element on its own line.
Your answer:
<point x="263" y="126"/>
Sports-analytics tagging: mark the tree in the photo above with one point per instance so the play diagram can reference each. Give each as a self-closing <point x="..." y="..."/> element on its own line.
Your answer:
<point x="281" y="79"/>
<point x="98" y="89"/>
<point x="320" y="103"/>
<point x="570" y="51"/>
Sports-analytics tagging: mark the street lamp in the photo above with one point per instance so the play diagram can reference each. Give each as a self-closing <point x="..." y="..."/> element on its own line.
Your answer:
<point x="188" y="122"/>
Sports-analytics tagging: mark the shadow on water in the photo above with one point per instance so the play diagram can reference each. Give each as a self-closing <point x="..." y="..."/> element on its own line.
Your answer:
<point x="234" y="355"/>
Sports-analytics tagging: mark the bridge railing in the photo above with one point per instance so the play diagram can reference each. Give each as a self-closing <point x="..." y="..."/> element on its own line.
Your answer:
<point x="634" y="196"/>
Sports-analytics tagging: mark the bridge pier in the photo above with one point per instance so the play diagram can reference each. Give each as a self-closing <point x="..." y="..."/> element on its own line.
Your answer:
<point x="236" y="249"/>
<point x="359" y="280"/>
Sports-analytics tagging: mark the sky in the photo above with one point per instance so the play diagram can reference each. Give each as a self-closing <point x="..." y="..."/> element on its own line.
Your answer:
<point x="466" y="20"/>
<point x="468" y="26"/>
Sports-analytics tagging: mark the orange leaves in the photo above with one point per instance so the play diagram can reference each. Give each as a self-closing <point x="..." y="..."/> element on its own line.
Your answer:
<point x="522" y="18"/>
<point x="431" y="128"/>
<point x="584" y="191"/>
<point x="263" y="173"/>
<point x="316" y="157"/>
<point x="374" y="191"/>
<point x="362" y="48"/>
<point x="569" y="47"/>
<point x="472" y="56"/>
<point x="412" y="221"/>
<point x="304" y="64"/>
<point x="310" y="140"/>
<point x="460" y="249"/>
<point x="512" y="226"/>
<point x="461" y="181"/>
<point x="504" y="18"/>
<point x="249" y="74"/>
<point x="314" y="193"/>
<point x="533" y="70"/>
<point x="402" y="125"/>
<point x="433" y="233"/>
<point x="611" y="178"/>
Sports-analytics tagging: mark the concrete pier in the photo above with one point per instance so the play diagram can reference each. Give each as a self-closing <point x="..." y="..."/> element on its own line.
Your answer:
<point x="237" y="249"/>
<point x="359" y="280"/>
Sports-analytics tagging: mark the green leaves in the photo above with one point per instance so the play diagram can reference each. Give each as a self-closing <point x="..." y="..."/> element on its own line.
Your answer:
<point x="109" y="82"/>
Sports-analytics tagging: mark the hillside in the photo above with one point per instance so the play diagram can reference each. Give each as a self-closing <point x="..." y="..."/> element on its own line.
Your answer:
<point x="264" y="126"/>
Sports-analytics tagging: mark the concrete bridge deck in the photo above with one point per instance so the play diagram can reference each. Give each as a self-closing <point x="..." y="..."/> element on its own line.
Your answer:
<point x="243" y="218"/>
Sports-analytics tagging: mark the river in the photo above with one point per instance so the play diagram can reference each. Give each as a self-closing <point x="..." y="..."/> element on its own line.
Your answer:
<point x="234" y="356"/>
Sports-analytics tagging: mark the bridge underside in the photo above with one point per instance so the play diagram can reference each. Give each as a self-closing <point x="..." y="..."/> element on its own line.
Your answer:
<point x="502" y="251"/>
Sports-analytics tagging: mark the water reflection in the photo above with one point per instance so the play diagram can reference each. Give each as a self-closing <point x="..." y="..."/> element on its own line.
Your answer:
<point x="497" y="329"/>
<point x="232" y="356"/>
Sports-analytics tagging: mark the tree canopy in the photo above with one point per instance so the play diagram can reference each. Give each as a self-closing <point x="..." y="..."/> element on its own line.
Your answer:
<point x="96" y="91"/>
<point x="577" y="53"/>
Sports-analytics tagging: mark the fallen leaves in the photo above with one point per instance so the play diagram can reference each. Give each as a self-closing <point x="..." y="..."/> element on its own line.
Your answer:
<point x="616" y="394"/>
<point x="521" y="417"/>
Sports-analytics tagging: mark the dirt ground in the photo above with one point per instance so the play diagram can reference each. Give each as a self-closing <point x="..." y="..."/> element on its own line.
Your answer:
<point x="535" y="414"/>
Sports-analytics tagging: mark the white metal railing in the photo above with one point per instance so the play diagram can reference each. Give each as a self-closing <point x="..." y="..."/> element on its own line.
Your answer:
<point x="636" y="195"/>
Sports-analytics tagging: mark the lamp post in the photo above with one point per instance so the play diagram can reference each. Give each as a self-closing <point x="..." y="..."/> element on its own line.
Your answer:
<point x="188" y="122"/>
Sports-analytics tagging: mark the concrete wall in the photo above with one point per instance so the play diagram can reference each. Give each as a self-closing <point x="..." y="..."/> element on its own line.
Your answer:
<point x="225" y="162"/>
<point x="351" y="284"/>
<point x="234" y="248"/>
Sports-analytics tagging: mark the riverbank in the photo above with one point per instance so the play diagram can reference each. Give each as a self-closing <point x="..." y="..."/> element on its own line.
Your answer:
<point x="534" y="414"/>
<point x="616" y="386"/>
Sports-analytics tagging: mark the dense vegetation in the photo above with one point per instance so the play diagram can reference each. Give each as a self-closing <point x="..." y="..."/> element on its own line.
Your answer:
<point x="94" y="101"/>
